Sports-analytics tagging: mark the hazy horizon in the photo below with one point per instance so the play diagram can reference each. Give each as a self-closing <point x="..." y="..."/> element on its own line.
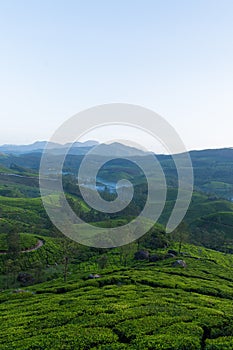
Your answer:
<point x="124" y="143"/>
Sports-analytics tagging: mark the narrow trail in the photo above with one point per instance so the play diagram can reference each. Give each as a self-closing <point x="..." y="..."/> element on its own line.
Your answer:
<point x="39" y="244"/>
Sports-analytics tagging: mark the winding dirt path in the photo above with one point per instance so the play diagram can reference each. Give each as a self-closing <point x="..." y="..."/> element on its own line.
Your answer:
<point x="39" y="244"/>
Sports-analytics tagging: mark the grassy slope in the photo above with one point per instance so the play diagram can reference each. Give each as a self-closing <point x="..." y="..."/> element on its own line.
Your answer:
<point x="209" y="220"/>
<point x="19" y="211"/>
<point x="49" y="253"/>
<point x="27" y="241"/>
<point x="145" y="306"/>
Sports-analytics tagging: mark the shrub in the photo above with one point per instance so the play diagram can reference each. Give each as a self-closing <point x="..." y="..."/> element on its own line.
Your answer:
<point x="222" y="343"/>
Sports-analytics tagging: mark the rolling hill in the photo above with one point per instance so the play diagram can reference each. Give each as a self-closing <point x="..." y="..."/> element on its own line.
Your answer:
<point x="148" y="304"/>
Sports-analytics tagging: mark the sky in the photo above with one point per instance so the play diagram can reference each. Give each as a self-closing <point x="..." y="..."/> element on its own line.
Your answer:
<point x="172" y="56"/>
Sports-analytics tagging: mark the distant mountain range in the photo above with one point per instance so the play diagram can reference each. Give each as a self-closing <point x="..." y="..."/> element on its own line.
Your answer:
<point x="77" y="148"/>
<point x="213" y="168"/>
<point x="39" y="146"/>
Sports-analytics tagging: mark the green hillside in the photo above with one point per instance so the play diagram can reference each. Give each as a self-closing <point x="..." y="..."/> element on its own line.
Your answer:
<point x="133" y="304"/>
<point x="26" y="241"/>
<point x="204" y="217"/>
<point x="144" y="306"/>
<point x="49" y="252"/>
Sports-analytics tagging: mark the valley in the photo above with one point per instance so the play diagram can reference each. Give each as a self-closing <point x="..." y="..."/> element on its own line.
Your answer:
<point x="145" y="292"/>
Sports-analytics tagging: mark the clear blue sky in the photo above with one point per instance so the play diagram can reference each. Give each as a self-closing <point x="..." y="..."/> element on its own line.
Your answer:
<point x="173" y="56"/>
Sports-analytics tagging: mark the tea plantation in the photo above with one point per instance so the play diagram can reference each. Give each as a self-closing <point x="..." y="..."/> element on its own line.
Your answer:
<point x="132" y="304"/>
<point x="143" y="306"/>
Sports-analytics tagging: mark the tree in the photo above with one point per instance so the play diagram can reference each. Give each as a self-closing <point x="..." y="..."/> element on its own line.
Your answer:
<point x="38" y="268"/>
<point x="13" y="242"/>
<point x="181" y="235"/>
<point x="11" y="268"/>
<point x="102" y="261"/>
<point x="69" y="250"/>
<point x="127" y="253"/>
<point x="155" y="238"/>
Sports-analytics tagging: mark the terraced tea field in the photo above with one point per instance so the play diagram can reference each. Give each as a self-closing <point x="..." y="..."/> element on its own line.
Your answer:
<point x="145" y="306"/>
